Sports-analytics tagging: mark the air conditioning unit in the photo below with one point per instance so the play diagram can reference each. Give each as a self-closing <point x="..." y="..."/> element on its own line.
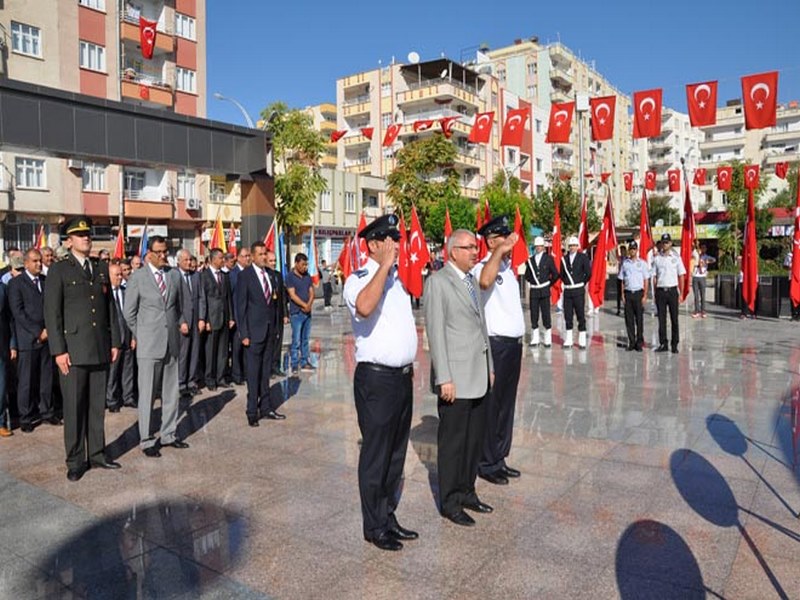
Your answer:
<point x="192" y="204"/>
<point x="74" y="164"/>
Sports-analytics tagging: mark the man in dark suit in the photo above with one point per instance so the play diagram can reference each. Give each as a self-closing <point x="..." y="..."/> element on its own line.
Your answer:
<point x="121" y="389"/>
<point x="576" y="270"/>
<point x="190" y="342"/>
<point x="540" y="273"/>
<point x="243" y="260"/>
<point x="215" y="318"/>
<point x="78" y="314"/>
<point x="34" y="365"/>
<point x="256" y="302"/>
<point x="281" y="314"/>
<point x="8" y="354"/>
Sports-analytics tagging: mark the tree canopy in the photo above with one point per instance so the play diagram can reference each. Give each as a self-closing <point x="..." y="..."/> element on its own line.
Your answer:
<point x="543" y="209"/>
<point x="658" y="207"/>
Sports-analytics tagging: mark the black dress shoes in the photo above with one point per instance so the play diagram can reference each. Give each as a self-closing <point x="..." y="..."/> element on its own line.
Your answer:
<point x="386" y="541"/>
<point x="662" y="349"/>
<point x="179" y="444"/>
<point x="401" y="533"/>
<point x="252" y="421"/>
<point x="460" y="518"/>
<point x="638" y="347"/>
<point x="53" y="420"/>
<point x="510" y="472"/>
<point x="497" y="478"/>
<point x="275" y="416"/>
<point x="26" y="428"/>
<point x="675" y="350"/>
<point x="630" y="347"/>
<point x="152" y="452"/>
<point x="106" y="464"/>
<point x="76" y="473"/>
<point x="224" y="386"/>
<point x="479" y="506"/>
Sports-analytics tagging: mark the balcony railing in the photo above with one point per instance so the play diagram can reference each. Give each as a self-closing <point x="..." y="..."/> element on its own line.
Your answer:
<point x="356" y="100"/>
<point x="354" y="162"/>
<point x="131" y="15"/>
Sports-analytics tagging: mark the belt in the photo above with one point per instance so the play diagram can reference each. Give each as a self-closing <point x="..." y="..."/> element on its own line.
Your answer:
<point x="634" y="291"/>
<point x="384" y="369"/>
<point x="505" y="339"/>
<point x="671" y="287"/>
<point x="540" y="286"/>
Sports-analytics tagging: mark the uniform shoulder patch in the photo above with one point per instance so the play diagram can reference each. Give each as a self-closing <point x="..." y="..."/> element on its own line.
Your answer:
<point x="361" y="273"/>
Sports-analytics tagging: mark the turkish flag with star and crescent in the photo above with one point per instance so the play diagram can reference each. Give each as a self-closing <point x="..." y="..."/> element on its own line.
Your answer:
<point x="482" y="128"/>
<point x="647" y="114"/>
<point x="358" y="248"/>
<point x="519" y="253"/>
<point x="514" y="129"/>
<point x="418" y="256"/>
<point x="650" y="180"/>
<point x="627" y="180"/>
<point x="603" y="110"/>
<point x="724" y="176"/>
<point x="422" y="125"/>
<point x="701" y="98"/>
<point x="447" y="125"/>
<point x="402" y="253"/>
<point x="344" y="262"/>
<point x="555" y="252"/>
<point x="367" y="132"/>
<point x="781" y="170"/>
<point x="645" y="233"/>
<point x="674" y="178"/>
<point x="560" y="122"/>
<point x="794" y="284"/>
<point x="605" y="176"/>
<point x="147" y="37"/>
<point x="699" y="176"/>
<point x="760" y="95"/>
<point x="751" y="176"/>
<point x="391" y="134"/>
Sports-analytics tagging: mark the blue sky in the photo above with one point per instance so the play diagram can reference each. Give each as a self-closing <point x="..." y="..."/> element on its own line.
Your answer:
<point x="265" y="50"/>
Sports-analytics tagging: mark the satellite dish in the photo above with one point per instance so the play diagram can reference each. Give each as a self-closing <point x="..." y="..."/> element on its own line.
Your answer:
<point x="413" y="57"/>
<point x="443" y="74"/>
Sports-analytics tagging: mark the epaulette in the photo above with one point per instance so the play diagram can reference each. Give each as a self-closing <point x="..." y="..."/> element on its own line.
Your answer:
<point x="361" y="273"/>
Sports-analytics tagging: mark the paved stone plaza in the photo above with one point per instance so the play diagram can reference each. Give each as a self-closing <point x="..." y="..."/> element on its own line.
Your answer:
<point x="644" y="475"/>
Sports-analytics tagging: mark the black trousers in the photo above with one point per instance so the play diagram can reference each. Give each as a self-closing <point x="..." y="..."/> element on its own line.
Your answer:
<point x="258" y="362"/>
<point x="121" y="388"/>
<point x="188" y="359"/>
<point x="216" y="355"/>
<point x="540" y="305"/>
<point x="667" y="300"/>
<point x="84" y="392"/>
<point x="500" y="404"/>
<point x="460" y="439"/>
<point x="327" y="293"/>
<point x="237" y="366"/>
<point x="634" y="317"/>
<point x="575" y="303"/>
<point x="383" y="402"/>
<point x="34" y="385"/>
<point x="277" y="346"/>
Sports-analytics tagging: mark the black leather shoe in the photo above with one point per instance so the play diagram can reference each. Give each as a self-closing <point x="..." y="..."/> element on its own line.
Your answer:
<point x="479" y="506"/>
<point x="461" y="518"/>
<point x="275" y="416"/>
<point x="26" y="428"/>
<point x="106" y="464"/>
<point x="496" y="478"/>
<point x="179" y="444"/>
<point x="675" y="350"/>
<point x="401" y="533"/>
<point x="638" y="347"/>
<point x="53" y="420"/>
<point x="253" y="422"/>
<point x="195" y="391"/>
<point x="629" y="347"/>
<point x="76" y="473"/>
<point x="152" y="452"/>
<point x="211" y="388"/>
<point x="662" y="349"/>
<point x="386" y="541"/>
<point x="510" y="472"/>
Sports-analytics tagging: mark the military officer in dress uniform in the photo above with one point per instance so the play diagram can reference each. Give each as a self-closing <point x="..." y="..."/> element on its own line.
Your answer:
<point x="634" y="275"/>
<point x="576" y="270"/>
<point x="79" y="313"/>
<point x="540" y="273"/>
<point x="668" y="270"/>
<point x="386" y="344"/>
<point x="505" y="324"/>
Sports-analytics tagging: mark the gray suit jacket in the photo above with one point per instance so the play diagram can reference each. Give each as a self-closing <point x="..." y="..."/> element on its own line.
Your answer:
<point x="154" y="322"/>
<point x="457" y="337"/>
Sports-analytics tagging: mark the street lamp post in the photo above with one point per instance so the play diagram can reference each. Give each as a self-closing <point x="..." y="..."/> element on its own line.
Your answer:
<point x="509" y="171"/>
<point x="238" y="105"/>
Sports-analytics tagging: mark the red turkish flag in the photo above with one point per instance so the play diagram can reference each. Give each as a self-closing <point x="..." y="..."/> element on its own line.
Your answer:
<point x="750" y="256"/>
<point x="627" y="180"/>
<point x="555" y="252"/>
<point x="606" y="242"/>
<point x="269" y="239"/>
<point x="423" y="125"/>
<point x="688" y="235"/>
<point x="514" y="129"/>
<point x="701" y="98"/>
<point x="603" y="110"/>
<point x="674" y="178"/>
<point x="583" y="228"/>
<point x="560" y="122"/>
<point x="519" y="253"/>
<point x="760" y="94"/>
<point x="447" y="125"/>
<point x="751" y="176"/>
<point x="650" y="180"/>
<point x="724" y="176"/>
<point x="359" y="253"/>
<point x="604" y="177"/>
<point x="487" y="213"/>
<point x="700" y="176"/>
<point x="448" y="231"/>
<point x="402" y="253"/>
<point x="781" y="170"/>
<point x="367" y="132"/>
<point x="418" y="256"/>
<point x="345" y="264"/>
<point x="337" y="135"/>
<point x="119" y="246"/>
<point x="391" y="134"/>
<point x="794" y="283"/>
<point x="144" y="91"/>
<point x="482" y="129"/>
<point x="645" y="234"/>
<point x="232" y="240"/>
<point x="647" y="114"/>
<point x="147" y="37"/>
<point x="483" y="250"/>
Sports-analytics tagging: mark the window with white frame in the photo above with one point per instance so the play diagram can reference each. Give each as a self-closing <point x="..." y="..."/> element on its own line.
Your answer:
<point x="350" y="202"/>
<point x="31" y="173"/>
<point x="95" y="4"/>
<point x="134" y="184"/>
<point x="92" y="57"/>
<point x="531" y="69"/>
<point x="184" y="26"/>
<point x="186" y="186"/>
<point x="26" y="39"/>
<point x="94" y="177"/>
<point x="325" y="201"/>
<point x="386" y="120"/>
<point x="218" y="192"/>
<point x="186" y="80"/>
<point x="386" y="89"/>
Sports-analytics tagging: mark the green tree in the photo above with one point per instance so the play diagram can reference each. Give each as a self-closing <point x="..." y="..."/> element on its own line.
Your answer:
<point x="543" y="209"/>
<point x="462" y="216"/>
<point x="737" y="202"/>
<point x="506" y="203"/>
<point x="658" y="207"/>
<point x="297" y="147"/>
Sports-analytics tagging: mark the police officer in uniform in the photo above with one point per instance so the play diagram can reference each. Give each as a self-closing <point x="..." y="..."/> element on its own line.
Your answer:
<point x="540" y="273"/>
<point x="79" y="313"/>
<point x="668" y="269"/>
<point x="386" y="344"/>
<point x="576" y="270"/>
<point x="634" y="275"/>
<point x="505" y="324"/>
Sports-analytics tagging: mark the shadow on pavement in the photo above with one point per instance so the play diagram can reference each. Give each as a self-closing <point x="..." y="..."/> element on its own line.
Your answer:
<point x="424" y="442"/>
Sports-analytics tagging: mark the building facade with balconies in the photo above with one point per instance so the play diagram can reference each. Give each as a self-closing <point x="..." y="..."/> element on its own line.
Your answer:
<point x="324" y="121"/>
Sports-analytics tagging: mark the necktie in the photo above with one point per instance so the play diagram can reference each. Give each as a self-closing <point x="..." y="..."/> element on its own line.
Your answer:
<point x="188" y="282"/>
<point x="162" y="286"/>
<point x="36" y="283"/>
<point x="267" y="294"/>
<point x="219" y="278"/>
<point x="87" y="268"/>
<point x="471" y="289"/>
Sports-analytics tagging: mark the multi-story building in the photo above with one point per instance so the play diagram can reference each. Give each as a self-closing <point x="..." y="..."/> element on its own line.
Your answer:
<point x="324" y="116"/>
<point x="93" y="47"/>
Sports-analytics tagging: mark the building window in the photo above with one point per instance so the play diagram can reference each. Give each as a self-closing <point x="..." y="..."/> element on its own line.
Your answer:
<point x="531" y="69"/>
<point x="350" y="202"/>
<point x="134" y="184"/>
<point x="92" y="57"/>
<point x="95" y="4"/>
<point x="186" y="186"/>
<point x="386" y="89"/>
<point x="386" y="120"/>
<point x="501" y="75"/>
<point x="26" y="39"/>
<point x="218" y="192"/>
<point x="538" y="123"/>
<point x="185" y="80"/>
<point x="538" y="165"/>
<point x="184" y="26"/>
<point x="325" y="201"/>
<point x="31" y="173"/>
<point x="94" y="177"/>
<point x="369" y="199"/>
